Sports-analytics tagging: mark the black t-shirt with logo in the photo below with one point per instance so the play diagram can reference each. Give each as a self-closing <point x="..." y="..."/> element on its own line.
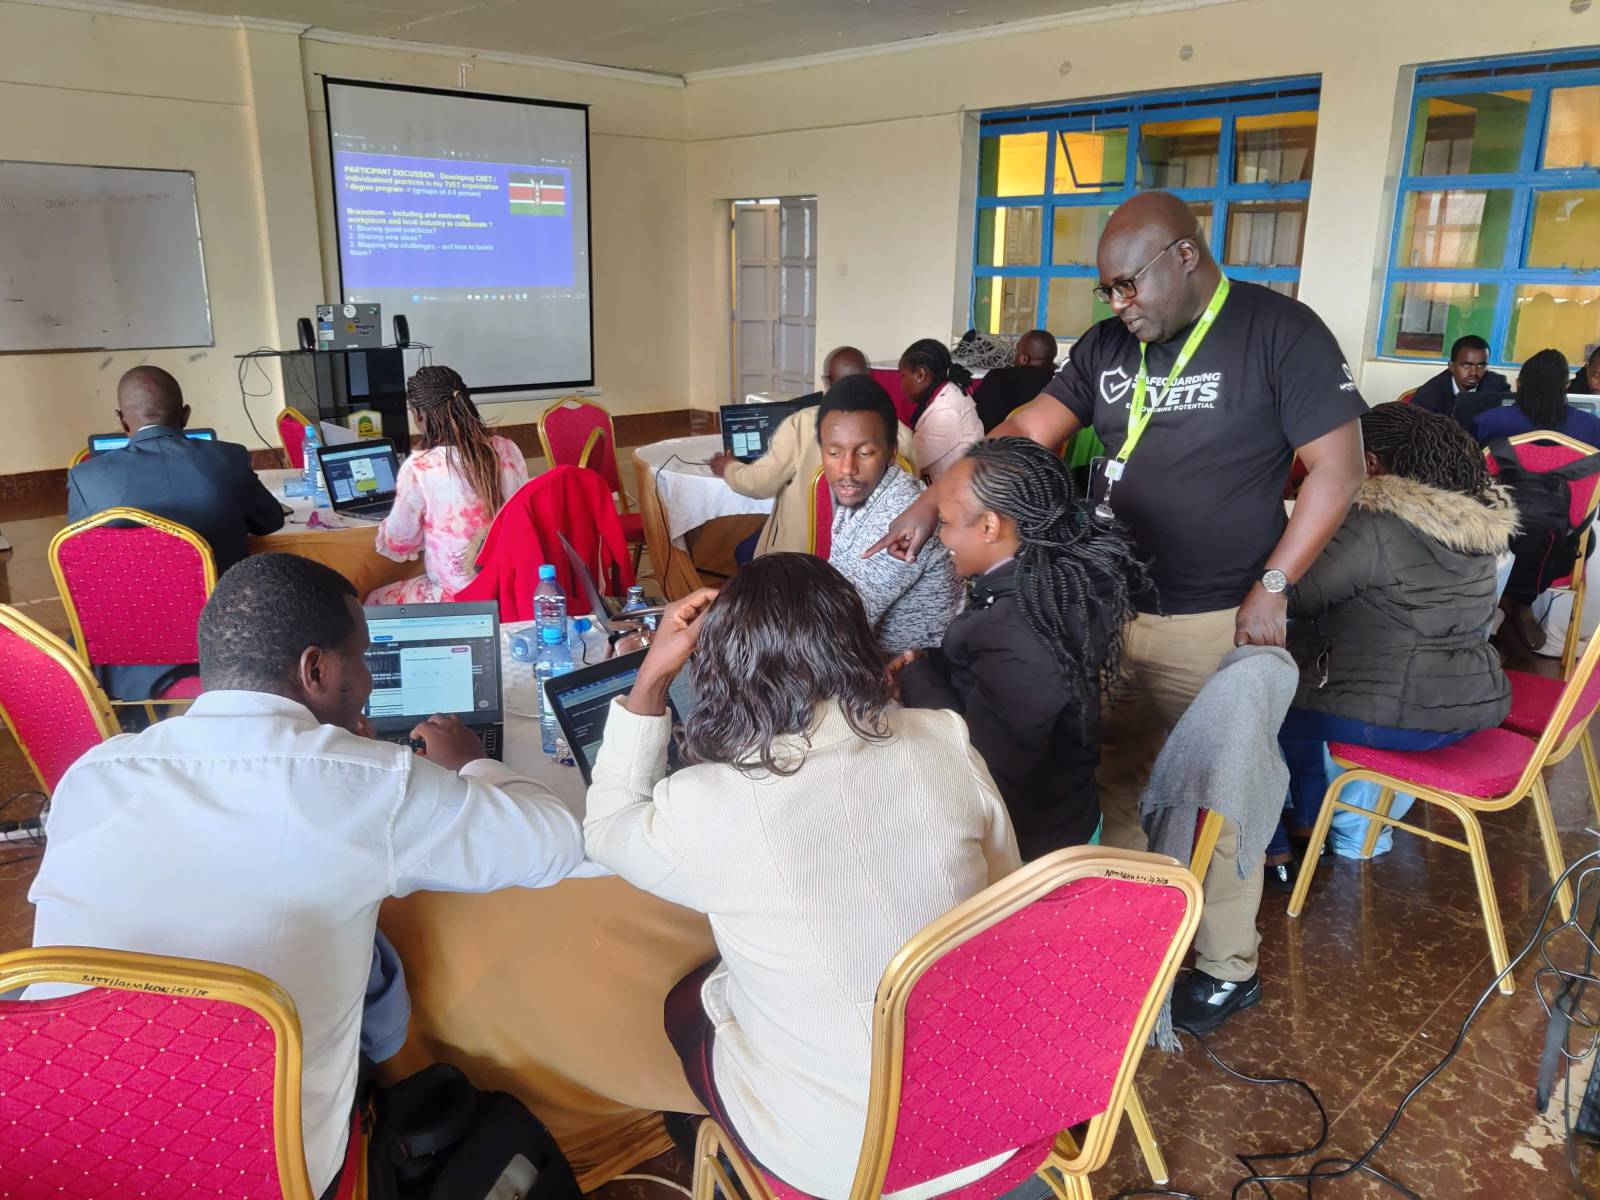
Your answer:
<point x="1202" y="492"/>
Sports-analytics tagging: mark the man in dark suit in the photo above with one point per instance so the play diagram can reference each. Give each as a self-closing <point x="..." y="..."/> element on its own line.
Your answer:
<point x="1468" y="371"/>
<point x="207" y="486"/>
<point x="1008" y="388"/>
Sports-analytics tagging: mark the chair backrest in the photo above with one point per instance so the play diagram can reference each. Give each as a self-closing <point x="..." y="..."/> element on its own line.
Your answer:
<point x="1405" y="396"/>
<point x="567" y="431"/>
<point x="1580" y="696"/>
<point x="78" y="458"/>
<point x="1545" y="450"/>
<point x="889" y="378"/>
<point x="292" y="433"/>
<point x="820" y="515"/>
<point x="133" y="585"/>
<point x="167" y="1077"/>
<point x="1021" y="1013"/>
<point x="49" y="701"/>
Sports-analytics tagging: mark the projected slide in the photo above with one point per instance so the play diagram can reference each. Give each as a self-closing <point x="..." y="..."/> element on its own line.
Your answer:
<point x="470" y="214"/>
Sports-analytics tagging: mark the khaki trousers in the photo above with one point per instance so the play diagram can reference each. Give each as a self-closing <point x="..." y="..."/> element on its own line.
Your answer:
<point x="1164" y="664"/>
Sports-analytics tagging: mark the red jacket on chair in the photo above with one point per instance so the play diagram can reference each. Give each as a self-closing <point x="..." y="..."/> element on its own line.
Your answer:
<point x="570" y="500"/>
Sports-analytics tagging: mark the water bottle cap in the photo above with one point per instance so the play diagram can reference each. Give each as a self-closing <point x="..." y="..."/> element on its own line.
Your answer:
<point x="581" y="624"/>
<point x="551" y="636"/>
<point x="547" y="571"/>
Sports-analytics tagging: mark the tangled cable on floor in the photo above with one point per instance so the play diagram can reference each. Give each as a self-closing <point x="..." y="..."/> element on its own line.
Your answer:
<point x="1325" y="1170"/>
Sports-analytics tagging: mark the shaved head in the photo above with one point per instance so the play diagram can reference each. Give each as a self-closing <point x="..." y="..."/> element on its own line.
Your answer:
<point x="150" y="396"/>
<point x="1036" y="348"/>
<point x="1155" y="241"/>
<point x="841" y="362"/>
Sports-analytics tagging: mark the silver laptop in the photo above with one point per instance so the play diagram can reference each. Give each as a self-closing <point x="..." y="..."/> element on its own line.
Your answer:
<point x="610" y="619"/>
<point x="360" y="478"/>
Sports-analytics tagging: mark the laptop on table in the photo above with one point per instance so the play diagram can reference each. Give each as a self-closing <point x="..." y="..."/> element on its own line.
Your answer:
<point x="612" y="620"/>
<point x="99" y="443"/>
<point x="436" y="658"/>
<point x="360" y="478"/>
<point x="582" y="702"/>
<point x="747" y="429"/>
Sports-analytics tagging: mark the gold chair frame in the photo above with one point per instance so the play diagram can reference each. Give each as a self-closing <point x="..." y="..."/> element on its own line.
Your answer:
<point x="47" y="643"/>
<point x="1067" y="1167"/>
<point x="83" y="967"/>
<point x="1552" y="746"/>
<point x="136" y="516"/>
<point x="589" y="444"/>
<point x="900" y="460"/>
<point x="288" y="410"/>
<point x="77" y="458"/>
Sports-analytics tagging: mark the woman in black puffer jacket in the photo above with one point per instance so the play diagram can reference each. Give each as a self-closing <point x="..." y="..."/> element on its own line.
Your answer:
<point x="1391" y="624"/>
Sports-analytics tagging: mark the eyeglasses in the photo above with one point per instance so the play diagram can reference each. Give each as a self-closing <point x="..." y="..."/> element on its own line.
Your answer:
<point x="1127" y="289"/>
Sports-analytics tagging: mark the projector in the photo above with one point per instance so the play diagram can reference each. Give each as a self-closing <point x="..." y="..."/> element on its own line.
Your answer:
<point x="349" y="326"/>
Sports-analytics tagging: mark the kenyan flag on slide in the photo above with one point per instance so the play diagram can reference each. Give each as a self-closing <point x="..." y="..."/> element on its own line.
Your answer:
<point x="538" y="194"/>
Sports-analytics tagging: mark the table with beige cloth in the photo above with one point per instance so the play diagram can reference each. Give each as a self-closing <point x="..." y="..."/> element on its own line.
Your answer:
<point x="350" y="550"/>
<point x="692" y="519"/>
<point x="554" y="994"/>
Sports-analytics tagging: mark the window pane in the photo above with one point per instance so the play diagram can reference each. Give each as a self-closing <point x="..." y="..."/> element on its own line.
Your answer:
<point x="1073" y="307"/>
<point x="1202" y="216"/>
<point x="1005" y="305"/>
<point x="1009" y="237"/>
<point x="1274" y="147"/>
<point x="1559" y="315"/>
<point x="1425" y="318"/>
<point x="1265" y="233"/>
<point x="1472" y="132"/>
<point x="1013" y="164"/>
<point x="1179" y="154"/>
<point x="1091" y="162"/>
<point x="1078" y="233"/>
<point x="1572" y="138"/>
<point x="1454" y="229"/>
<point x="1566" y="230"/>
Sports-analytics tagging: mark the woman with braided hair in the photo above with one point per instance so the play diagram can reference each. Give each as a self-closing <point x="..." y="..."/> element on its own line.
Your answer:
<point x="1051" y="590"/>
<point x="447" y="491"/>
<point x="944" y="421"/>
<point x="1391" y="624"/>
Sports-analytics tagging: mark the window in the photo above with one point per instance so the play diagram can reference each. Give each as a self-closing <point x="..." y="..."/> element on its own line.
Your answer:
<point x="1497" y="225"/>
<point x="1048" y="178"/>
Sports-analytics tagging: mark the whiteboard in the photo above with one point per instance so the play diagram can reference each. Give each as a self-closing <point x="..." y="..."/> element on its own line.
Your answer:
<point x="100" y="258"/>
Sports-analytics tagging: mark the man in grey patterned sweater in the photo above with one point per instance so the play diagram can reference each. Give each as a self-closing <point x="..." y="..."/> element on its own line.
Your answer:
<point x="908" y="603"/>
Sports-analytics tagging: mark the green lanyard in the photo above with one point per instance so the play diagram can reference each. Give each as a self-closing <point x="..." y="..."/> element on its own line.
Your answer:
<point x="1138" y="415"/>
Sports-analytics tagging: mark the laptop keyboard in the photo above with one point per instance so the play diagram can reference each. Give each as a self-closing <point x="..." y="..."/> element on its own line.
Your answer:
<point x="489" y="735"/>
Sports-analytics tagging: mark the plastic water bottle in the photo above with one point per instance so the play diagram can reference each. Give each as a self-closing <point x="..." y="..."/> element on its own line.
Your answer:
<point x="314" y="487"/>
<point x="635" y="599"/>
<point x="549" y="605"/>
<point x="554" y="659"/>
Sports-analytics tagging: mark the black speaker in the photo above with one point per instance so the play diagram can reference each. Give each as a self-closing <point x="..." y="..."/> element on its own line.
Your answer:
<point x="402" y="331"/>
<point x="308" y="335"/>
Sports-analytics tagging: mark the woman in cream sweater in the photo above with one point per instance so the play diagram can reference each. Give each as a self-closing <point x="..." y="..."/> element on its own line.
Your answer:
<point x="818" y="825"/>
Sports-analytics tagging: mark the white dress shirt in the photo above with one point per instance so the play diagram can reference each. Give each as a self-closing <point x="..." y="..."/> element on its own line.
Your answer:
<point x="244" y="832"/>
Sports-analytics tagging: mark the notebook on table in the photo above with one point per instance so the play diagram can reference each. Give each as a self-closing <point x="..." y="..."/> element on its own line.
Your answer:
<point x="435" y="658"/>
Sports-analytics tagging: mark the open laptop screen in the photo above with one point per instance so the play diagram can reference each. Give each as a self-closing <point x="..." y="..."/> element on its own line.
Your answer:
<point x="747" y="429"/>
<point x="583" y="702"/>
<point x="358" y="474"/>
<point x="99" y="443"/>
<point x="433" y="658"/>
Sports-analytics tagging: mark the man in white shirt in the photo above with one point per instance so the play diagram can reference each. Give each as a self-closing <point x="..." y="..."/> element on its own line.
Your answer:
<point x="262" y="829"/>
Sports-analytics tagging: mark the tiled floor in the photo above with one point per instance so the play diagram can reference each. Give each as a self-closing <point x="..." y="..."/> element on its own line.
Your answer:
<point x="1363" y="995"/>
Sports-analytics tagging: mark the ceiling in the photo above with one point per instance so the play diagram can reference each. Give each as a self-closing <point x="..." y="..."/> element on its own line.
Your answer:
<point x="673" y="37"/>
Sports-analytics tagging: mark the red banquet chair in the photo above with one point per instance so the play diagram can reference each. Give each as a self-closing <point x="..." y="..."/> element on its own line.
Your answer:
<point x="820" y="516"/>
<point x="50" y="702"/>
<point x="292" y="433"/>
<point x="133" y="585"/>
<point x="1546" y="450"/>
<point x="1021" y="1013"/>
<point x="579" y="433"/>
<point x="166" y="1077"/>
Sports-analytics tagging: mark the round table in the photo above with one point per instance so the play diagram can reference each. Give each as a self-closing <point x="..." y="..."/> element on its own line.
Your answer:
<point x="349" y="547"/>
<point x="554" y="994"/>
<point x="692" y="519"/>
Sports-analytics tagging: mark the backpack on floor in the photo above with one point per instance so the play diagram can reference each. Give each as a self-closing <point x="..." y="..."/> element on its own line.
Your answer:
<point x="1546" y="543"/>
<point x="439" y="1138"/>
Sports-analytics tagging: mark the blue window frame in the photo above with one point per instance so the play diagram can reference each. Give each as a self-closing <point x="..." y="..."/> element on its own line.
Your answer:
<point x="1497" y="221"/>
<point x="1048" y="177"/>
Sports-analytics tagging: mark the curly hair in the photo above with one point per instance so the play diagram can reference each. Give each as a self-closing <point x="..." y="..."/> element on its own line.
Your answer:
<point x="446" y="416"/>
<point x="1425" y="446"/>
<point x="786" y="634"/>
<point x="263" y="614"/>
<point x="1077" y="577"/>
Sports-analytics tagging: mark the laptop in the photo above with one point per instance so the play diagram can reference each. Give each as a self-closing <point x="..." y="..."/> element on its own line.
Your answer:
<point x="435" y="658"/>
<point x="99" y="443"/>
<point x="360" y="478"/>
<point x="747" y="429"/>
<point x="603" y="614"/>
<point x="582" y="702"/>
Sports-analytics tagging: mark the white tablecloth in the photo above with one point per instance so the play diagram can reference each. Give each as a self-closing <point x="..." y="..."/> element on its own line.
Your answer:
<point x="689" y="493"/>
<point x="274" y="481"/>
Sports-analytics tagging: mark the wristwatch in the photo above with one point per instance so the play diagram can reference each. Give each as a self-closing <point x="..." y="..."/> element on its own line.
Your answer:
<point x="1274" y="581"/>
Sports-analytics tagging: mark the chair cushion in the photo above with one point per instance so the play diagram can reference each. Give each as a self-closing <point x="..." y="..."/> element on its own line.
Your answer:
<point x="1487" y="763"/>
<point x="186" y="688"/>
<point x="1533" y="700"/>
